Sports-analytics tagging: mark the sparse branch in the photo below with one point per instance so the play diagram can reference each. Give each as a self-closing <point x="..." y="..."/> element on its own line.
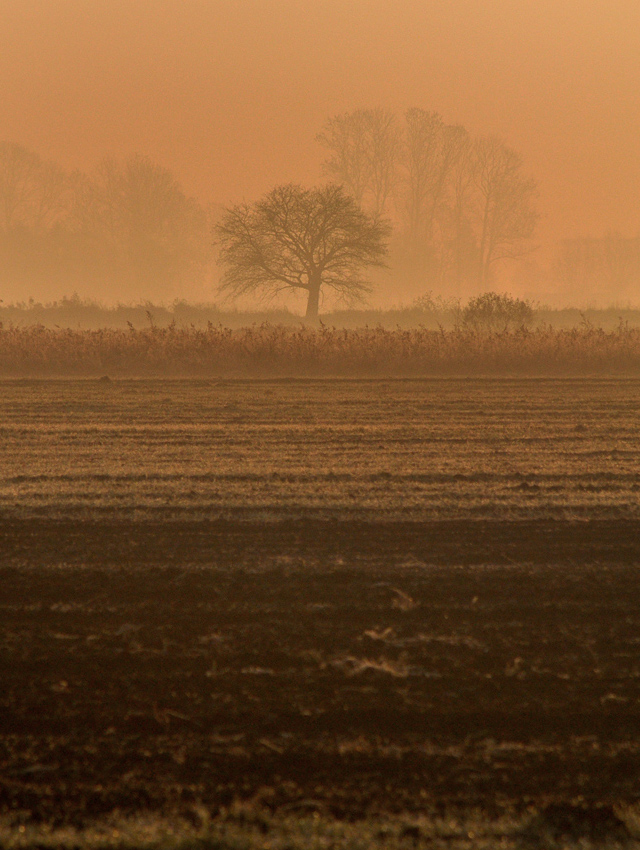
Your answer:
<point x="507" y="211"/>
<point x="363" y="148"/>
<point x="297" y="238"/>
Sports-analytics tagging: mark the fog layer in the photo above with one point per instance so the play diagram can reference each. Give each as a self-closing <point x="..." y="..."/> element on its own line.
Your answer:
<point x="231" y="96"/>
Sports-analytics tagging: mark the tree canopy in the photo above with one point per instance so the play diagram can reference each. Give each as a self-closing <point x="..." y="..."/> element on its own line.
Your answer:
<point x="125" y="227"/>
<point x="301" y="239"/>
<point x="459" y="204"/>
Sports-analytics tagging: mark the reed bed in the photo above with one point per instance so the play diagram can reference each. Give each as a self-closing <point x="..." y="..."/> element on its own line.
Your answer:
<point x="278" y="351"/>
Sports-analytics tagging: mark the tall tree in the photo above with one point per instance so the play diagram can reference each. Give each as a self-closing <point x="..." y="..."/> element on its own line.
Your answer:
<point x="461" y="251"/>
<point x="297" y="239"/>
<point x="154" y="233"/>
<point x="35" y="203"/>
<point x="363" y="150"/>
<point x="458" y="205"/>
<point x="506" y="205"/>
<point x="34" y="193"/>
<point x="431" y="151"/>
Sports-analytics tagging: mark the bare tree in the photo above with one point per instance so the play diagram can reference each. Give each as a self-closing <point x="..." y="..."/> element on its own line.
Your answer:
<point x="458" y="233"/>
<point x="33" y="192"/>
<point x="506" y="205"/>
<point x="459" y="205"/>
<point x="384" y="144"/>
<point x="604" y="266"/>
<point x="422" y="155"/>
<point x="363" y="147"/>
<point x="300" y="239"/>
<point x="153" y="231"/>
<point x="432" y="150"/>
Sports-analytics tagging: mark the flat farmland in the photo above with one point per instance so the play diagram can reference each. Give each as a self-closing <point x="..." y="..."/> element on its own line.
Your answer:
<point x="358" y="598"/>
<point x="414" y="450"/>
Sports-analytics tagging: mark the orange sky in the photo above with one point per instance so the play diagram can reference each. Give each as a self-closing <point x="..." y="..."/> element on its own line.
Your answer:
<point x="230" y="93"/>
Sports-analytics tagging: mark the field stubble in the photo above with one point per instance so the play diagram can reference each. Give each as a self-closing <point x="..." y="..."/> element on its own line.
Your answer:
<point x="413" y="450"/>
<point x="353" y="599"/>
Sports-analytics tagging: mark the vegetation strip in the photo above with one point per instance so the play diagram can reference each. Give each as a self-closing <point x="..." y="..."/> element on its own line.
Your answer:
<point x="279" y="351"/>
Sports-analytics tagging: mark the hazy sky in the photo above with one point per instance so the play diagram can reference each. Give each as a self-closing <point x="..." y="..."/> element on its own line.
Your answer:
<point x="230" y="94"/>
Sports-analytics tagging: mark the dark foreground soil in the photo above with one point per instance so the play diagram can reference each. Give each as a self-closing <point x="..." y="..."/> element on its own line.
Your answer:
<point x="353" y="668"/>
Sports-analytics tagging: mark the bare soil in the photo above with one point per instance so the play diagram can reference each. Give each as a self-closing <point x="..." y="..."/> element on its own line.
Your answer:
<point x="357" y="668"/>
<point x="353" y="598"/>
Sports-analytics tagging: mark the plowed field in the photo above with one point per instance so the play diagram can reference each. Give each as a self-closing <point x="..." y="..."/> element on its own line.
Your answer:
<point x="360" y="597"/>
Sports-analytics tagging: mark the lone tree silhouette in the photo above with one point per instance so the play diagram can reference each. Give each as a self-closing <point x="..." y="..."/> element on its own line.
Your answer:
<point x="300" y="239"/>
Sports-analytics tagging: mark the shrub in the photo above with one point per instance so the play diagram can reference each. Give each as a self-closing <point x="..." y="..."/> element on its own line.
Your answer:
<point x="495" y="313"/>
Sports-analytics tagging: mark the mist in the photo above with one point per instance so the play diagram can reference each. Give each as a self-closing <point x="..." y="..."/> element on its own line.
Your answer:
<point x="229" y="99"/>
<point x="320" y="457"/>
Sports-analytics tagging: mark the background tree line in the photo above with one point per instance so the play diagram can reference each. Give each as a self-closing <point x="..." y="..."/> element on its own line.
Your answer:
<point x="127" y="226"/>
<point x="595" y="265"/>
<point x="459" y="204"/>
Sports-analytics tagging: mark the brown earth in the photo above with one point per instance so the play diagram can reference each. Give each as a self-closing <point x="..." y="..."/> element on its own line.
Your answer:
<point x="349" y="597"/>
<point x="349" y="667"/>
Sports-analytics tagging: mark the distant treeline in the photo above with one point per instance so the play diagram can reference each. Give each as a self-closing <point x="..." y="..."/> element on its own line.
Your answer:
<point x="459" y="205"/>
<point x="278" y="351"/>
<point x="124" y="227"/>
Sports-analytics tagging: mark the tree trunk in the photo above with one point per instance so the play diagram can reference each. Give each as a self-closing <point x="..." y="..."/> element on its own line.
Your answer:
<point x="314" y="299"/>
<point x="483" y="260"/>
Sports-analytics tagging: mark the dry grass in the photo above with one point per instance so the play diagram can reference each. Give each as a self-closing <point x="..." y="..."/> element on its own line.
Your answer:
<point x="411" y="450"/>
<point x="278" y="351"/>
<point x="249" y="827"/>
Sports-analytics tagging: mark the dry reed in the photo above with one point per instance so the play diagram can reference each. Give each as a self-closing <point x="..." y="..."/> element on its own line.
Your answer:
<point x="278" y="351"/>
